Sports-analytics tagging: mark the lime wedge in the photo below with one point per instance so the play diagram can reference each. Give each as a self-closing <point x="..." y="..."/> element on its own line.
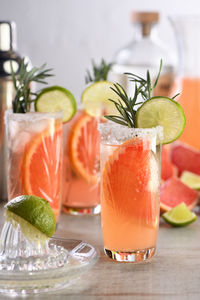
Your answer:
<point x="95" y="99"/>
<point x="179" y="215"/>
<point x="165" y="112"/>
<point x="54" y="99"/>
<point x="190" y="179"/>
<point x="34" y="210"/>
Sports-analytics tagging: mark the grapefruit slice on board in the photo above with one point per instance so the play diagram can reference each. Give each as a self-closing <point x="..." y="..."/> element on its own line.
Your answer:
<point x="185" y="158"/>
<point x="83" y="148"/>
<point x="129" y="182"/>
<point x="41" y="167"/>
<point x="167" y="168"/>
<point x="173" y="192"/>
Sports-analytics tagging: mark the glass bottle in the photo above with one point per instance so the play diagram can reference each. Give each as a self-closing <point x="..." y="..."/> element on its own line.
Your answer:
<point x="7" y="54"/>
<point x="144" y="52"/>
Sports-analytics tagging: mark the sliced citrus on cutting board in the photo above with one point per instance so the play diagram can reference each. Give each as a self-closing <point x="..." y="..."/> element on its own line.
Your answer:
<point x="41" y="167"/>
<point x="83" y="147"/>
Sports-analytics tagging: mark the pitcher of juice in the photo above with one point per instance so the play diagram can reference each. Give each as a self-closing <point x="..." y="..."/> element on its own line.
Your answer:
<point x="187" y="33"/>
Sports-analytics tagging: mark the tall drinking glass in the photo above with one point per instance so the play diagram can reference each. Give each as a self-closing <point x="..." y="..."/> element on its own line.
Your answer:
<point x="35" y="156"/>
<point x="81" y="165"/>
<point x="130" y="189"/>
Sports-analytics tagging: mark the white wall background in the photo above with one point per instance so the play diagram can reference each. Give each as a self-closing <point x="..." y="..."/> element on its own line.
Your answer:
<point x="67" y="34"/>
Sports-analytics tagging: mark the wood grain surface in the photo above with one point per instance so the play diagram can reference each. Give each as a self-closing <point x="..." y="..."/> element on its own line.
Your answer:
<point x="174" y="272"/>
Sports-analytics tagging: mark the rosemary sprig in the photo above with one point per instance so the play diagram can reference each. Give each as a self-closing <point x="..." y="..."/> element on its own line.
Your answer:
<point x="126" y="106"/>
<point x="145" y="85"/>
<point x="22" y="82"/>
<point x="100" y="72"/>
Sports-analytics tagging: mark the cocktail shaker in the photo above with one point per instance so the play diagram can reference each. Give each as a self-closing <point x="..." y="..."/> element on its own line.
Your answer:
<point x="8" y="54"/>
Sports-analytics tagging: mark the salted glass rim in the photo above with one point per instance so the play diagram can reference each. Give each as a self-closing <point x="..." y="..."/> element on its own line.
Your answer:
<point x="111" y="130"/>
<point x="32" y="116"/>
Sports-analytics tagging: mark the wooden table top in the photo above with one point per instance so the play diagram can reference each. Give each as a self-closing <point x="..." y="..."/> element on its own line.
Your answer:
<point x="173" y="273"/>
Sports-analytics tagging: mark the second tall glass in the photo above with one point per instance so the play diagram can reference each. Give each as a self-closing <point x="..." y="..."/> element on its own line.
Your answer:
<point x="81" y="165"/>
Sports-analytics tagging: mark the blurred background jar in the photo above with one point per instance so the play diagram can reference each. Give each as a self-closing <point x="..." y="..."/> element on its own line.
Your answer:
<point x="187" y="33"/>
<point x="8" y="54"/>
<point x="145" y="52"/>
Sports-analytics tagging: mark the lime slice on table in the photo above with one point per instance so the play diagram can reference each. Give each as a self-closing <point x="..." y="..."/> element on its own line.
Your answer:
<point x="190" y="179"/>
<point x="179" y="215"/>
<point x="165" y="112"/>
<point x="95" y="99"/>
<point x="33" y="212"/>
<point x="54" y="99"/>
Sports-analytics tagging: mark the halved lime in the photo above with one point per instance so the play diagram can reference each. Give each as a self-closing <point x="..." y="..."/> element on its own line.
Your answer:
<point x="54" y="99"/>
<point x="34" y="235"/>
<point x="34" y="210"/>
<point x="179" y="215"/>
<point x="190" y="179"/>
<point x="95" y="99"/>
<point x="165" y="112"/>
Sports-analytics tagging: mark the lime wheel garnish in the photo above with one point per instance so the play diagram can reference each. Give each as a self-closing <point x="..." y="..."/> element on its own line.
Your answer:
<point x="165" y="112"/>
<point x="54" y="99"/>
<point x="95" y="99"/>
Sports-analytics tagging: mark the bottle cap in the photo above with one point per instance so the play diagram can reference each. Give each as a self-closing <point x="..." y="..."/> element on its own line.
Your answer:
<point x="145" y="17"/>
<point x="7" y="36"/>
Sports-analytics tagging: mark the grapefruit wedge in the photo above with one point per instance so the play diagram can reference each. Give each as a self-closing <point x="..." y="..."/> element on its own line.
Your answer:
<point x="83" y="148"/>
<point x="41" y="167"/>
<point x="185" y="158"/>
<point x="129" y="182"/>
<point x="167" y="168"/>
<point x="173" y="192"/>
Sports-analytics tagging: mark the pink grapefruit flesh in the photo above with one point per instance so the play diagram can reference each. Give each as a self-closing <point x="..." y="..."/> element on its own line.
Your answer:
<point x="167" y="168"/>
<point x="173" y="192"/>
<point x="185" y="158"/>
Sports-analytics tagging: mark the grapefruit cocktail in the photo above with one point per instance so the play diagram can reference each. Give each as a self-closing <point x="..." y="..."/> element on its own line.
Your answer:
<point x="34" y="136"/>
<point x="130" y="164"/>
<point x="81" y="153"/>
<point x="130" y="168"/>
<point x="81" y="165"/>
<point x="35" y="156"/>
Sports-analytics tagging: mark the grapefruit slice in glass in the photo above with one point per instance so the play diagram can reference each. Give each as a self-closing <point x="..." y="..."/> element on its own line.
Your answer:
<point x="41" y="168"/>
<point x="130" y="180"/>
<point x="83" y="147"/>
